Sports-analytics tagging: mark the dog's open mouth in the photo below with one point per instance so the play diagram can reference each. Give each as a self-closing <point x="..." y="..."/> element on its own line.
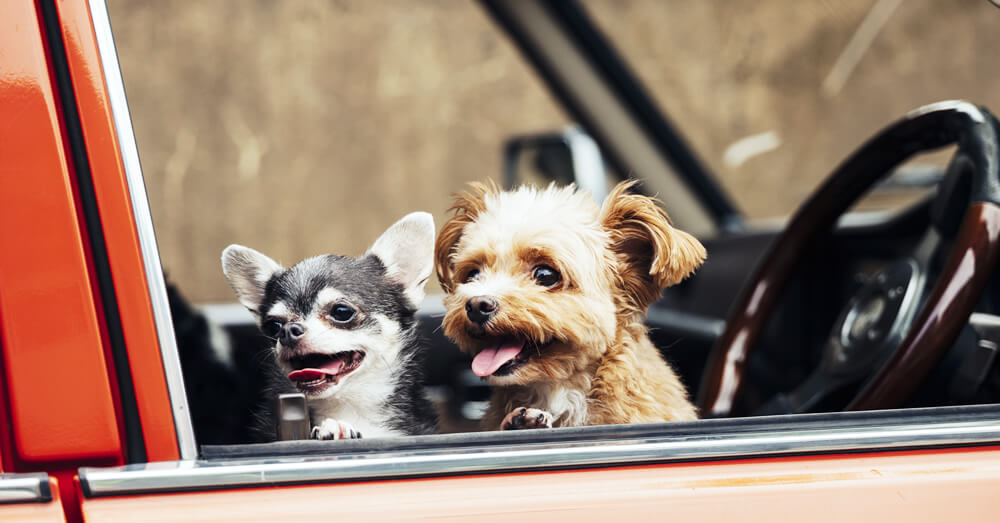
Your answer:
<point x="503" y="356"/>
<point x="314" y="372"/>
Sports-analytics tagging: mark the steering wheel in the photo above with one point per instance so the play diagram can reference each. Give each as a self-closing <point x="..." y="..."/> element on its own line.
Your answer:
<point x="883" y="338"/>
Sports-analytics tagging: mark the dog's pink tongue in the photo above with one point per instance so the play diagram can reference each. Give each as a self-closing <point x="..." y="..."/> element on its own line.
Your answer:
<point x="332" y="368"/>
<point x="492" y="358"/>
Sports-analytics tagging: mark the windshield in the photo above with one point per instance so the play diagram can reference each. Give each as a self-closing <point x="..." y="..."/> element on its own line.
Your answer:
<point x="772" y="94"/>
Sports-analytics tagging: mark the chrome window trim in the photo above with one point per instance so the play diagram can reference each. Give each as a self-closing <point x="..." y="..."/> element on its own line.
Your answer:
<point x="25" y="488"/>
<point x="445" y="455"/>
<point x="144" y="227"/>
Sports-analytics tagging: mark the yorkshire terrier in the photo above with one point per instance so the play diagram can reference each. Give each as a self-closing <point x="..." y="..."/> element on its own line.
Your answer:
<point x="548" y="291"/>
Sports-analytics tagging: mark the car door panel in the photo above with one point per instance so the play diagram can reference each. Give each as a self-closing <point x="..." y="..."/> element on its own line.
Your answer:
<point x="651" y="467"/>
<point x="839" y="488"/>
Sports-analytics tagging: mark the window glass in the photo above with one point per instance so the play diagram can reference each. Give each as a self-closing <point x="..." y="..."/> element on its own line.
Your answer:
<point x="301" y="128"/>
<point x="774" y="94"/>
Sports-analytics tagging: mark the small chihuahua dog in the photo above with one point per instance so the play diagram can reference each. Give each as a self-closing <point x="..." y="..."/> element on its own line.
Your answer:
<point x="548" y="291"/>
<point x="345" y="330"/>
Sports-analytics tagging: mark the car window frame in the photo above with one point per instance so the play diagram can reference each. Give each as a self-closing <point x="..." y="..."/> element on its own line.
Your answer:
<point x="143" y="221"/>
<point x="600" y="446"/>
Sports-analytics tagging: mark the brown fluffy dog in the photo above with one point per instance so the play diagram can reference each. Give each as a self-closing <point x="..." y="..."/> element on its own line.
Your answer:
<point x="548" y="291"/>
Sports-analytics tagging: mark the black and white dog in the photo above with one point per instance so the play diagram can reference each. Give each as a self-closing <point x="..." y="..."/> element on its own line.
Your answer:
<point x="345" y="330"/>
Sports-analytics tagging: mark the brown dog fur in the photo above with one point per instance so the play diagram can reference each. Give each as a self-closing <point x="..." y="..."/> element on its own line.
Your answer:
<point x="587" y="358"/>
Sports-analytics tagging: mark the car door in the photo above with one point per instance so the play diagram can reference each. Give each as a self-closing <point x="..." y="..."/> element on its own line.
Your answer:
<point x="929" y="464"/>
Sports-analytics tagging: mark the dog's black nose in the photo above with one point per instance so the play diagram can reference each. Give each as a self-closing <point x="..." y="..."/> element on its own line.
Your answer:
<point x="291" y="333"/>
<point x="479" y="309"/>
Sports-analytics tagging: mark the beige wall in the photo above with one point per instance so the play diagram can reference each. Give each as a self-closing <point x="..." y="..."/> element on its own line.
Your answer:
<point x="730" y="69"/>
<point x="302" y="127"/>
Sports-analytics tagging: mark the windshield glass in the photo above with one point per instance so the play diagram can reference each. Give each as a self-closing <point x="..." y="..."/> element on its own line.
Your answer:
<point x="772" y="94"/>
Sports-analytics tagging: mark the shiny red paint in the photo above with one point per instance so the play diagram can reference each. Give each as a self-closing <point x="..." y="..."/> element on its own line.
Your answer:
<point x="118" y="224"/>
<point x="49" y="330"/>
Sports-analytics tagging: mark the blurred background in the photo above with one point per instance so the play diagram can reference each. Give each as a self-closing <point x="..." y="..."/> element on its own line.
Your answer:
<point x="306" y="127"/>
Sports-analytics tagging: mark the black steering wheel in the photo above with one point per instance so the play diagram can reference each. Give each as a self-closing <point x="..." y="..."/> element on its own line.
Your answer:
<point x="884" y="338"/>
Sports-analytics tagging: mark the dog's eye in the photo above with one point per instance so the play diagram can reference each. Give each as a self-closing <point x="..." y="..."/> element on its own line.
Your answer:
<point x="471" y="275"/>
<point x="545" y="276"/>
<point x="342" y="313"/>
<point x="271" y="328"/>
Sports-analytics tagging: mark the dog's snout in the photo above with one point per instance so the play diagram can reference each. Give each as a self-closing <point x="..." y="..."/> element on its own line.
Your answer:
<point x="479" y="309"/>
<point x="291" y="333"/>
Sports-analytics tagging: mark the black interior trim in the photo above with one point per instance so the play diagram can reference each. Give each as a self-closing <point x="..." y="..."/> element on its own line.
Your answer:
<point x="135" y="446"/>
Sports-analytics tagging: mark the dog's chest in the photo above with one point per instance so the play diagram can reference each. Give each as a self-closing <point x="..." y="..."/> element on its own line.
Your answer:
<point x="362" y="402"/>
<point x="369" y="418"/>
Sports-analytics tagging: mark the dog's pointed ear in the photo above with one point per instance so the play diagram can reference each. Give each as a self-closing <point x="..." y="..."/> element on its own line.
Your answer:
<point x="248" y="272"/>
<point x="467" y="206"/>
<point x="651" y="253"/>
<point x="407" y="250"/>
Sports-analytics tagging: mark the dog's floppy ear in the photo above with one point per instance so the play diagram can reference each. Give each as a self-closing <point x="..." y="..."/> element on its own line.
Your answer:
<point x="248" y="272"/>
<point x="467" y="207"/>
<point x="652" y="254"/>
<point x="407" y="250"/>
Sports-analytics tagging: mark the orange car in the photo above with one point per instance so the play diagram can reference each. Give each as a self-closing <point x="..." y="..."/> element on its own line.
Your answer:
<point x="892" y="416"/>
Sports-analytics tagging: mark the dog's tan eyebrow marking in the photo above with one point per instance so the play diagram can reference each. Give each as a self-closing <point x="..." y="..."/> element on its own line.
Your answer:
<point x="532" y="257"/>
<point x="464" y="268"/>
<point x="477" y="258"/>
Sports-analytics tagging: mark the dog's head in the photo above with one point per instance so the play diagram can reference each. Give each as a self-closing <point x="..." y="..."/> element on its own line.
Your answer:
<point x="539" y="282"/>
<point x="334" y="319"/>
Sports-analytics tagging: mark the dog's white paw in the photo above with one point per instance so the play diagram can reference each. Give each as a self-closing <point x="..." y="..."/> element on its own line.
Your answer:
<point x="333" y="429"/>
<point x="527" y="418"/>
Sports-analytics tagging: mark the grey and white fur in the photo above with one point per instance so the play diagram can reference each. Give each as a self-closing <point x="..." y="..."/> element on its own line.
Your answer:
<point x="356" y="316"/>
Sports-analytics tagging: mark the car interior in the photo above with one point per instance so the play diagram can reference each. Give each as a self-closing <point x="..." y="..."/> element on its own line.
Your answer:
<point x="837" y="308"/>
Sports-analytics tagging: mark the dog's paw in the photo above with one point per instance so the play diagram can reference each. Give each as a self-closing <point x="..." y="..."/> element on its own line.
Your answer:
<point x="333" y="429"/>
<point x="525" y="418"/>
